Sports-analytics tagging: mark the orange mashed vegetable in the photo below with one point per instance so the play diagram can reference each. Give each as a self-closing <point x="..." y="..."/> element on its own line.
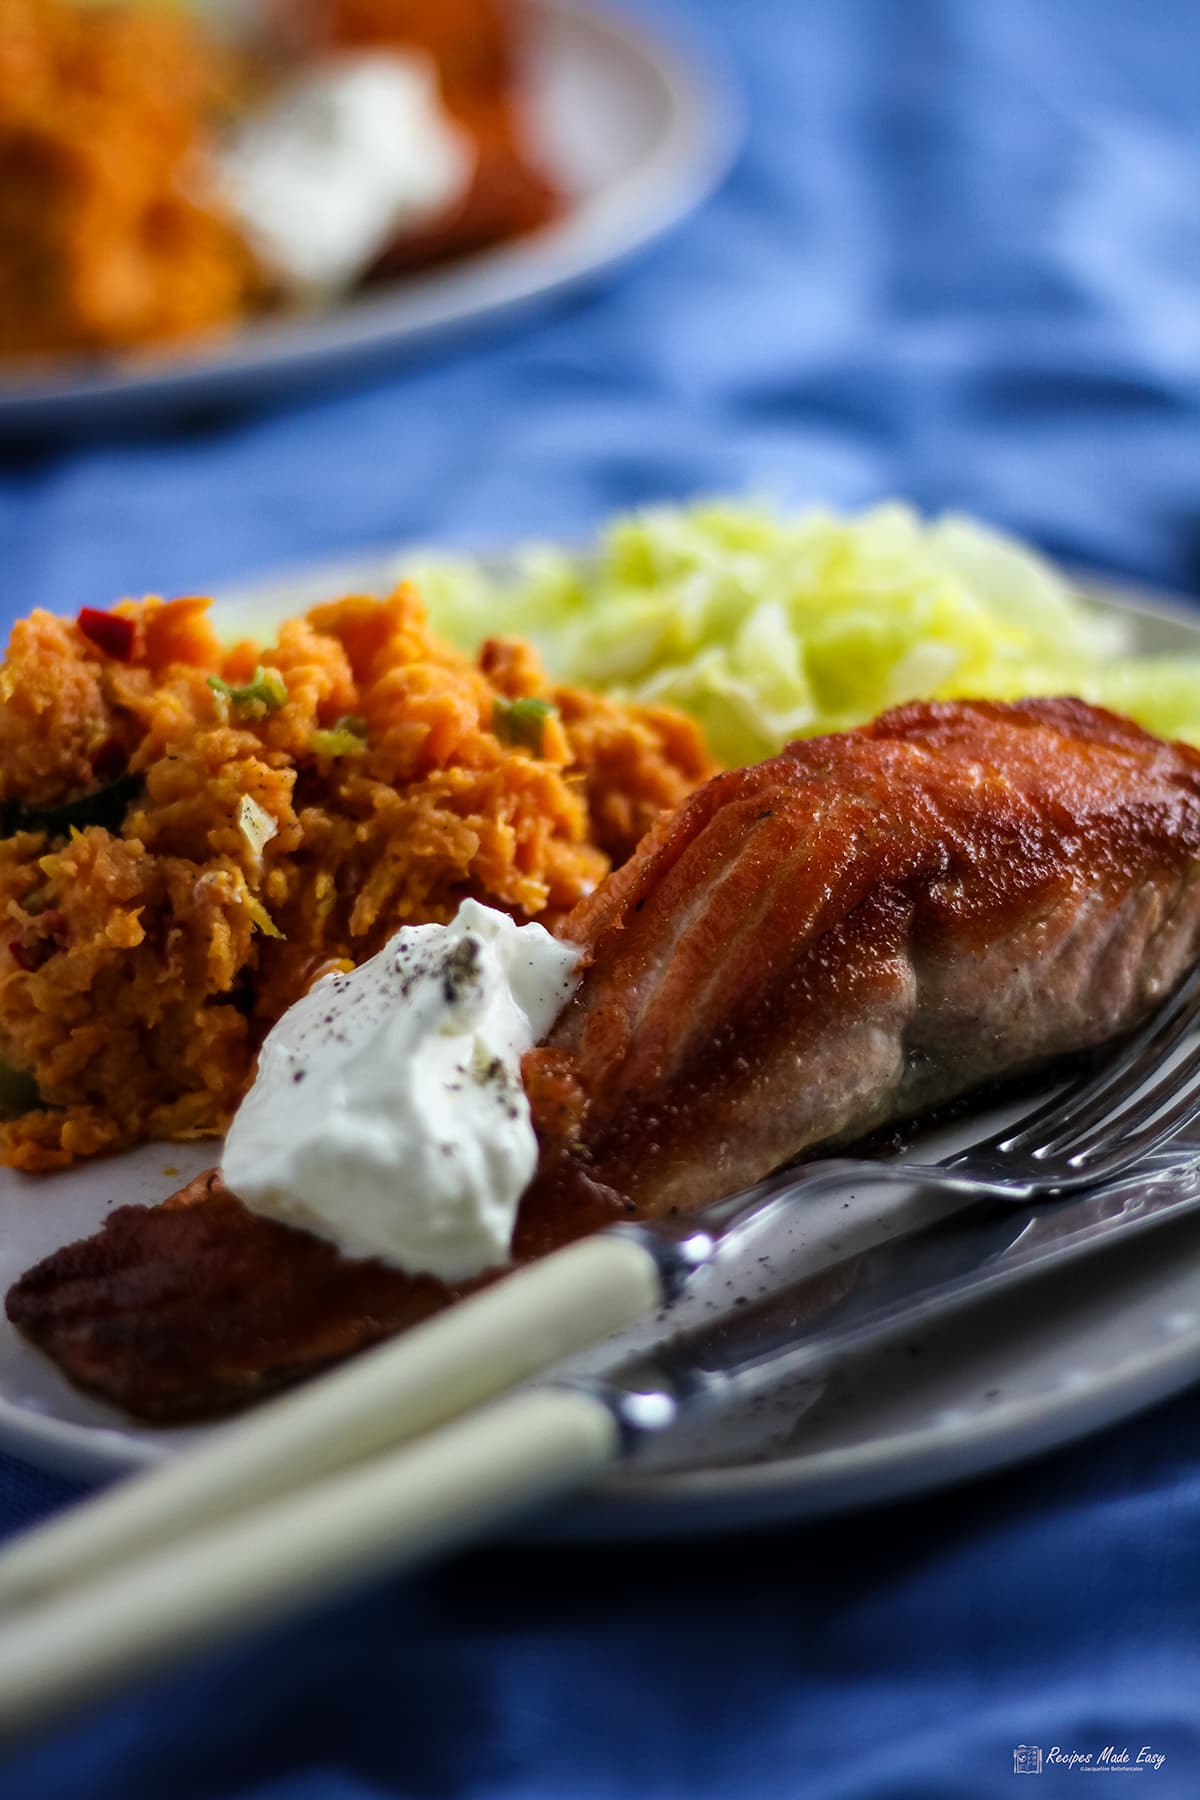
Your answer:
<point x="191" y="835"/>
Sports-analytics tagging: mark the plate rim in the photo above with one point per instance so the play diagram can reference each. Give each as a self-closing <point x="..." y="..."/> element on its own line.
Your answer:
<point x="787" y="1488"/>
<point x="704" y="125"/>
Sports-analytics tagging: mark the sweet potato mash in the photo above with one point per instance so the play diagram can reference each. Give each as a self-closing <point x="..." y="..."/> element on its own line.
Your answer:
<point x="192" y="834"/>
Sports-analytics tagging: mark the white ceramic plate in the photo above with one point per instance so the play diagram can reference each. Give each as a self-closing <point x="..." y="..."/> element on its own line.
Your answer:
<point x="1020" y="1375"/>
<point x="637" y="130"/>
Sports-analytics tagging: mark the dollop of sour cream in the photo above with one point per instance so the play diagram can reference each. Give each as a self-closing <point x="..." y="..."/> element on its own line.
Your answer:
<point x="388" y="1113"/>
<point x="349" y="155"/>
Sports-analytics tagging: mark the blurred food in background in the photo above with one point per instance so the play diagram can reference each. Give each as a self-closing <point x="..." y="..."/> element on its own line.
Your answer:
<point x="163" y="176"/>
<point x="110" y="230"/>
<point x="475" y="46"/>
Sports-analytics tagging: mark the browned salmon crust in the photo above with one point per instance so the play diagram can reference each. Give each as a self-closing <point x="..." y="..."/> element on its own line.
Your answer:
<point x="864" y="927"/>
<point x="850" y="933"/>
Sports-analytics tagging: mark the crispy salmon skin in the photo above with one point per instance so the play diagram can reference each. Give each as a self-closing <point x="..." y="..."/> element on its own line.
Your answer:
<point x="850" y="933"/>
<point x="198" y="1307"/>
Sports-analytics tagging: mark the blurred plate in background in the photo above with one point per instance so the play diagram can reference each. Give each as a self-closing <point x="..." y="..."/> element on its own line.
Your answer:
<point x="634" y="128"/>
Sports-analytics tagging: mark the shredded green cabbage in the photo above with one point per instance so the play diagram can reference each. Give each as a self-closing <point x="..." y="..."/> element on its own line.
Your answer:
<point x="767" y="627"/>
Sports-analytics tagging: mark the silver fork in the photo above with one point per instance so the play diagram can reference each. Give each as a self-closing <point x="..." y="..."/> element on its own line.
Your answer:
<point x="807" y="1329"/>
<point x="1091" y="1131"/>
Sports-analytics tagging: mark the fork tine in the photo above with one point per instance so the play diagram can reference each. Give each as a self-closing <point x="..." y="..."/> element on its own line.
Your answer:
<point x="1140" y="1132"/>
<point x="1091" y="1101"/>
<point x="1131" y="1101"/>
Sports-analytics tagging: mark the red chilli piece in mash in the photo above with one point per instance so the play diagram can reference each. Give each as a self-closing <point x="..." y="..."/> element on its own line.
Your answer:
<point x="109" y="632"/>
<point x="30" y="953"/>
<point x="30" y="957"/>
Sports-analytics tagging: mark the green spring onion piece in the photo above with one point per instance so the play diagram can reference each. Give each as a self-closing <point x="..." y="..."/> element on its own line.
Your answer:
<point x="521" y="722"/>
<point x="267" y="687"/>
<point x="348" y="737"/>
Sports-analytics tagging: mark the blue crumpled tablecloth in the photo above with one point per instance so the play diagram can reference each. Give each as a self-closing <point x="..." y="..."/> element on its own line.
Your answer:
<point x="958" y="261"/>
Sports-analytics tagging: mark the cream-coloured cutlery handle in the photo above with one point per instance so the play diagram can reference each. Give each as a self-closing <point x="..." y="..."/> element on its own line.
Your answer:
<point x="467" y="1355"/>
<point x="242" y="1575"/>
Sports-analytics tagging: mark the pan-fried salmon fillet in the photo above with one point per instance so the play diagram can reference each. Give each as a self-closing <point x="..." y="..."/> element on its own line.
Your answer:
<point x="857" y="930"/>
<point x="865" y="927"/>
